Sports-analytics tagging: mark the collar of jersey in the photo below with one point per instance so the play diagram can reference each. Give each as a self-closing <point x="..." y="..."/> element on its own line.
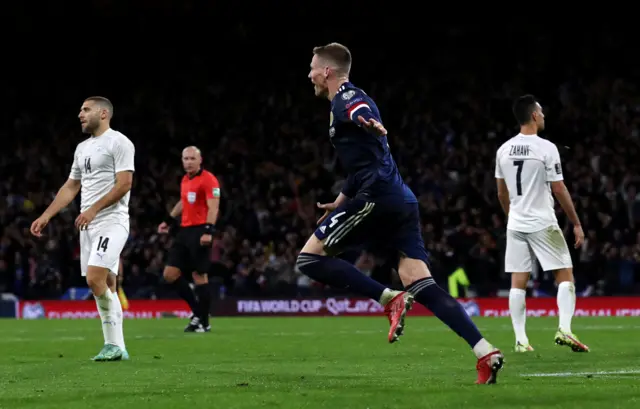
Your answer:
<point x="345" y="86"/>
<point x="196" y="175"/>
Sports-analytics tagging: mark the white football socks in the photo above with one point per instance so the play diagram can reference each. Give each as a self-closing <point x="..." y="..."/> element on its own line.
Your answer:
<point x="107" y="311"/>
<point x="566" y="304"/>
<point x="387" y="295"/>
<point x="119" y="321"/>
<point x="518" y="311"/>
<point x="483" y="348"/>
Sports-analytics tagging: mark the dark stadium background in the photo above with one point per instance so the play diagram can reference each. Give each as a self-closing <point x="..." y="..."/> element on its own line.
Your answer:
<point x="232" y="80"/>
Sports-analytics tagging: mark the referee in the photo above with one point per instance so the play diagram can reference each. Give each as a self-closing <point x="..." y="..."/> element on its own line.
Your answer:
<point x="191" y="249"/>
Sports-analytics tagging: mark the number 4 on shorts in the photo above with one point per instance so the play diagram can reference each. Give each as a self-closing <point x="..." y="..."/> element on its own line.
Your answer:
<point x="103" y="242"/>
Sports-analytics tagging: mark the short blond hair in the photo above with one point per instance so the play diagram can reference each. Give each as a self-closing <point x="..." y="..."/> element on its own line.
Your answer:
<point x="337" y="54"/>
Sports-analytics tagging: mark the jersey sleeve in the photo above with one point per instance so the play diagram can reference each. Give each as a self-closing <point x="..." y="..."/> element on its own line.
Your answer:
<point x="499" y="174"/>
<point x="211" y="187"/>
<point x="352" y="104"/>
<point x="552" y="164"/>
<point x="76" y="172"/>
<point x="123" y="155"/>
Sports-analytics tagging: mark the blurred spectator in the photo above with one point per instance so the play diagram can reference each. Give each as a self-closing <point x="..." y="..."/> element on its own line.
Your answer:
<point x="267" y="142"/>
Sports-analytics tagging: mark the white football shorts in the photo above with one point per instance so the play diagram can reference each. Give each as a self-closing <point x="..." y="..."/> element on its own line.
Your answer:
<point x="101" y="245"/>
<point x="548" y="246"/>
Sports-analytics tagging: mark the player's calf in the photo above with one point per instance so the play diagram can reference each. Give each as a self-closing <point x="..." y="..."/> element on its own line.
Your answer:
<point x="173" y="276"/>
<point x="203" y="292"/>
<point x="314" y="262"/>
<point x="566" y="298"/>
<point x="108" y="305"/>
<point x="416" y="277"/>
<point x="518" y="309"/>
<point x="112" y="281"/>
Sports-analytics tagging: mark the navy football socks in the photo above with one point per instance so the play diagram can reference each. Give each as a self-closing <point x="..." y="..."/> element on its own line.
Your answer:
<point x="446" y="308"/>
<point x="203" y="291"/>
<point x="181" y="285"/>
<point x="339" y="274"/>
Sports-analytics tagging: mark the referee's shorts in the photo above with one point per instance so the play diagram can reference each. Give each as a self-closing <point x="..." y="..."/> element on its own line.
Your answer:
<point x="187" y="254"/>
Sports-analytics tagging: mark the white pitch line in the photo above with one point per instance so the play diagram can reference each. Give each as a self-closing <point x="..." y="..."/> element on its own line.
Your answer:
<point x="568" y="374"/>
<point x="48" y="339"/>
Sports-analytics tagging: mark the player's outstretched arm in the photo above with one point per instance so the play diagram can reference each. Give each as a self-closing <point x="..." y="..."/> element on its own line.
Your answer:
<point x="65" y="195"/>
<point x="561" y="193"/>
<point x="372" y="125"/>
<point x="357" y="110"/>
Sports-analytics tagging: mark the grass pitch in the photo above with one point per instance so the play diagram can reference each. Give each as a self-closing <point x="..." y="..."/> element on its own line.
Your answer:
<point x="314" y="363"/>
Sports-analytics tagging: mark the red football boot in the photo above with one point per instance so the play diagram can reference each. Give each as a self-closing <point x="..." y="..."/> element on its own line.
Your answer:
<point x="396" y="310"/>
<point x="488" y="367"/>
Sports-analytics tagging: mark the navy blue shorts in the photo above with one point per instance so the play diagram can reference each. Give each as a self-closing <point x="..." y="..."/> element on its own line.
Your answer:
<point x="358" y="223"/>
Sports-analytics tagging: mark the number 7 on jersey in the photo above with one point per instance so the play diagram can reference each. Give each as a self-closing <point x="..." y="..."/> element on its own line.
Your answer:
<point x="519" y="164"/>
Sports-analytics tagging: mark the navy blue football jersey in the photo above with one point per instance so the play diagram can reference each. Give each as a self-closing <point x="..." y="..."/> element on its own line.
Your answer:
<point x="372" y="173"/>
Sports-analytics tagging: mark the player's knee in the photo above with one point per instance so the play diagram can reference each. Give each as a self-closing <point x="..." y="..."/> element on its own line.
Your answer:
<point x="302" y="260"/>
<point x="411" y="270"/>
<point x="171" y="274"/>
<point x="308" y="264"/>
<point x="519" y="280"/>
<point x="314" y="246"/>
<point x="97" y="278"/>
<point x="564" y="274"/>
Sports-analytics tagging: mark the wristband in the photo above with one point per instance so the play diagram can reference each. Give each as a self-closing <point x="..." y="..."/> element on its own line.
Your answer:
<point x="209" y="228"/>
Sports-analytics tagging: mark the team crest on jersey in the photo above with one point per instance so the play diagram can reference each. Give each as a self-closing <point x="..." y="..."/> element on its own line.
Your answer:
<point x="216" y="192"/>
<point x="191" y="197"/>
<point x="348" y="95"/>
<point x="330" y="118"/>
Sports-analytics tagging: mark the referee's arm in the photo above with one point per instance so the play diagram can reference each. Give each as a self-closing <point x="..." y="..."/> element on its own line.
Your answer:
<point x="177" y="210"/>
<point x="212" y="189"/>
<point x="212" y="213"/>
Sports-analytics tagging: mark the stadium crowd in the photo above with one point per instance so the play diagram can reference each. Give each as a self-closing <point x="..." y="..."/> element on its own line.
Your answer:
<point x="267" y="142"/>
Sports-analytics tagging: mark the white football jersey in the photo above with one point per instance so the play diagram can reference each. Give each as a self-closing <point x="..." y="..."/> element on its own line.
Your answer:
<point x="528" y="164"/>
<point x="95" y="163"/>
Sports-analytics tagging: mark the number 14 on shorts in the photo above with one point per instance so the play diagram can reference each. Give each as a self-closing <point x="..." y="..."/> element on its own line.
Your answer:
<point x="103" y="242"/>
